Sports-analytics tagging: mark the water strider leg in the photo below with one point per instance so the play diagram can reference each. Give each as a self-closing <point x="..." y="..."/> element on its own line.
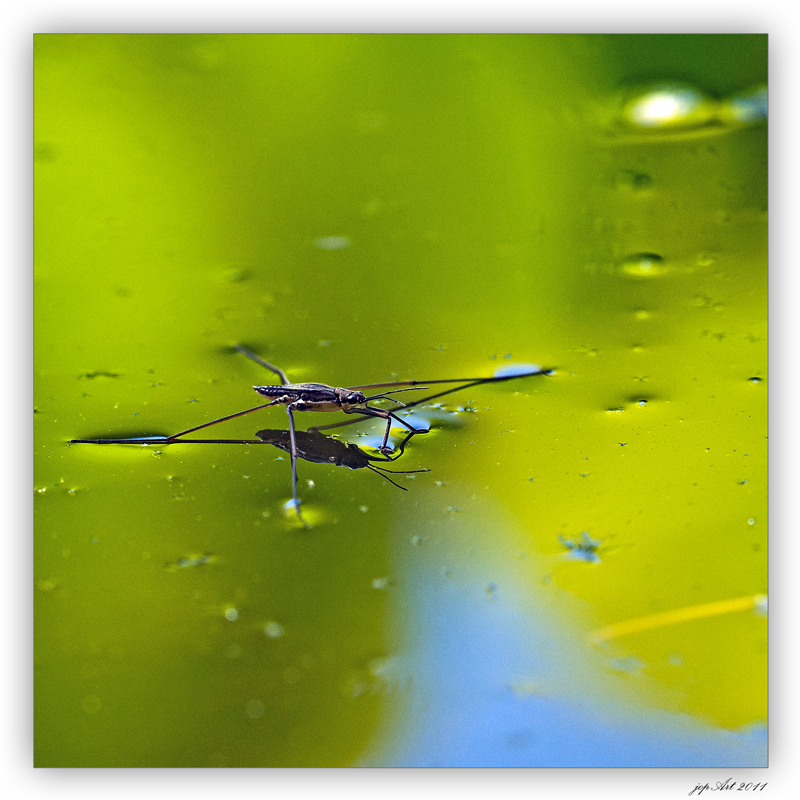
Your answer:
<point x="293" y="453"/>
<point x="221" y="419"/>
<point x="369" y="411"/>
<point x="253" y="357"/>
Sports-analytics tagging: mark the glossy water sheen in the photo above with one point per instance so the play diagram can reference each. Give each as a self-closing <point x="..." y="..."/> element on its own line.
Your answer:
<point x="360" y="209"/>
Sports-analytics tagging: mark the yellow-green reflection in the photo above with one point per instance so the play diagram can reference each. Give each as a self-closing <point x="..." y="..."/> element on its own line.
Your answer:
<point x="356" y="209"/>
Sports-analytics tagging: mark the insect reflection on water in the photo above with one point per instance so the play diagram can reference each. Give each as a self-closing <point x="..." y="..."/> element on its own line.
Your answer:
<point x="311" y="445"/>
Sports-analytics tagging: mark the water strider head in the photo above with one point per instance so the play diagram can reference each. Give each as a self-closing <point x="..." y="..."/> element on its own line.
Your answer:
<point x="351" y="397"/>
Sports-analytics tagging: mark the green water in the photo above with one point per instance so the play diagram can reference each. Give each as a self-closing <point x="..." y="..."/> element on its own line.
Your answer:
<point x="359" y="209"/>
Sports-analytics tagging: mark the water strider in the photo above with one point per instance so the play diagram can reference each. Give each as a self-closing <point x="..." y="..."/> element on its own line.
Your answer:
<point x="324" y="398"/>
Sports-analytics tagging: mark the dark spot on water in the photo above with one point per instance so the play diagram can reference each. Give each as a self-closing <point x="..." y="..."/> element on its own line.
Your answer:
<point x="191" y="561"/>
<point x="584" y="549"/>
<point x="45" y="152"/>
<point x="101" y="373"/>
<point x="633" y="181"/>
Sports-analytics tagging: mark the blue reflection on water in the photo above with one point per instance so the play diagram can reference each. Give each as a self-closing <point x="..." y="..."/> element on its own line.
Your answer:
<point x="488" y="681"/>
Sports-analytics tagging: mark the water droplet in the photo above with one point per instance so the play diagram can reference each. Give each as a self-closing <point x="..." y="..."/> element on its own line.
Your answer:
<point x="292" y="674"/>
<point x="381" y="583"/>
<point x="668" y="105"/>
<point x="91" y="704"/>
<point x="231" y="614"/>
<point x="643" y="265"/>
<point x="254" y="709"/>
<point x="332" y="242"/>
<point x="642" y="314"/>
<point x="706" y="259"/>
<point x="761" y="604"/>
<point x="417" y="541"/>
<point x="274" y="629"/>
<point x="755" y="379"/>
<point x="749" y="107"/>
<point x="751" y="521"/>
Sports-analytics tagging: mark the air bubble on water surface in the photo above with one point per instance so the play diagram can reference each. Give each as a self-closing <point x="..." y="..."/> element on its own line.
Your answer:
<point x="231" y="613"/>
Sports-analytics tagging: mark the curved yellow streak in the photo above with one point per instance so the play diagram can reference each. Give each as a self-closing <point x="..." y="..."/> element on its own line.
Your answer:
<point x="678" y="615"/>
